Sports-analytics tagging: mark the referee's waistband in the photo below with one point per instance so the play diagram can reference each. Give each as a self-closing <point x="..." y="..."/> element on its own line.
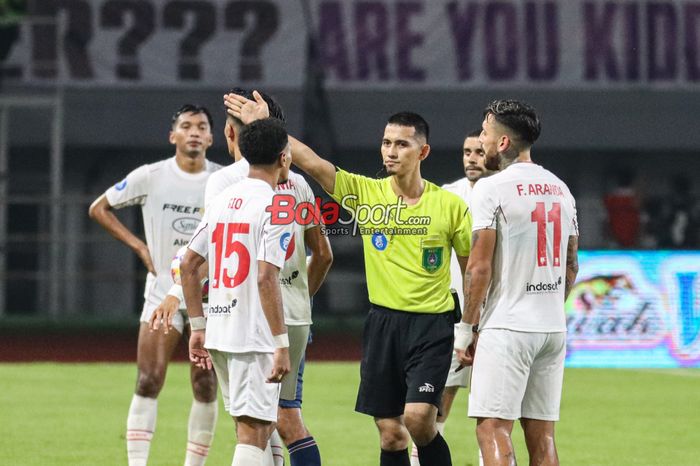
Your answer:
<point x="377" y="307"/>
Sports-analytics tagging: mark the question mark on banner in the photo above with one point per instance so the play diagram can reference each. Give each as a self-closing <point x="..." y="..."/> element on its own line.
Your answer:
<point x="204" y="27"/>
<point x="266" y="23"/>
<point x="143" y="23"/>
<point x="45" y="37"/>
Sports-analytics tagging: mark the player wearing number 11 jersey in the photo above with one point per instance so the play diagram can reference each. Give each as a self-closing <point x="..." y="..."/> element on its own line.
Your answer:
<point x="523" y="262"/>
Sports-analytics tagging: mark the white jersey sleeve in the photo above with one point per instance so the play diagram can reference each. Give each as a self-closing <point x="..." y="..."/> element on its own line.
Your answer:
<point x="132" y="190"/>
<point x="274" y="242"/>
<point x="200" y="239"/>
<point x="484" y="206"/>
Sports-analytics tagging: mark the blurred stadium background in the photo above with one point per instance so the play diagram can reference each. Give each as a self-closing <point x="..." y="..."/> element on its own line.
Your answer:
<point x="87" y="89"/>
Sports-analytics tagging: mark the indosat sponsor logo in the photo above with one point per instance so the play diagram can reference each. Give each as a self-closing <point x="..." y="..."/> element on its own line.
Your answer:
<point x="541" y="287"/>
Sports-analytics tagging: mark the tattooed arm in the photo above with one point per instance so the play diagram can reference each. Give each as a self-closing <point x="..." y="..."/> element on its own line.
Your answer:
<point x="478" y="275"/>
<point x="571" y="265"/>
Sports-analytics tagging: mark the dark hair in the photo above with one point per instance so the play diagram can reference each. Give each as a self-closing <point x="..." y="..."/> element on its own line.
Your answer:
<point x="474" y="134"/>
<point x="262" y="141"/>
<point x="412" y="120"/>
<point x="195" y="109"/>
<point x="275" y="109"/>
<point x="517" y="116"/>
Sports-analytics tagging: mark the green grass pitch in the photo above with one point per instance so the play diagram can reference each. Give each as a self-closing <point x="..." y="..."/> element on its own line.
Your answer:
<point x="75" y="414"/>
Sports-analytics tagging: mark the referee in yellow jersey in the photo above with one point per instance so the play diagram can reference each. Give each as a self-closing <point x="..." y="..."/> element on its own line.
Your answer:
<point x="408" y="227"/>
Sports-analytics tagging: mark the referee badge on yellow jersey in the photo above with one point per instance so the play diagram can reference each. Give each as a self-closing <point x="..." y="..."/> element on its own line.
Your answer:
<point x="432" y="256"/>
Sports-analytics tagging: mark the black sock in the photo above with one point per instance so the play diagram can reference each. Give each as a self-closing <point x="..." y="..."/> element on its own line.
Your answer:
<point x="436" y="453"/>
<point x="394" y="458"/>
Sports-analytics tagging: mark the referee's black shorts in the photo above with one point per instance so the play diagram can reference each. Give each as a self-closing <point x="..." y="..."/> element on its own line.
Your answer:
<point x="405" y="359"/>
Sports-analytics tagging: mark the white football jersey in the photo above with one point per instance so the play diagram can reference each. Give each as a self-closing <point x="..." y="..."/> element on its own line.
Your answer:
<point x="172" y="203"/>
<point x="236" y="233"/>
<point x="294" y="278"/>
<point x="534" y="214"/>
<point x="222" y="179"/>
<point x="463" y="189"/>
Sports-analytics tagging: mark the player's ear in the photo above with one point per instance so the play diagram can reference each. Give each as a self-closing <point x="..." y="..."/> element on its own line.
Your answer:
<point x="229" y="132"/>
<point x="504" y="143"/>
<point x="171" y="137"/>
<point x="424" y="152"/>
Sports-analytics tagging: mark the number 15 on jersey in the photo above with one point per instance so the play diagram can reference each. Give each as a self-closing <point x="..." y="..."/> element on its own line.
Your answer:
<point x="226" y="238"/>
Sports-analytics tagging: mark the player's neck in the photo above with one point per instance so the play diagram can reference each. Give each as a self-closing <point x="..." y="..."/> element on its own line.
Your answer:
<point x="190" y="164"/>
<point x="262" y="174"/>
<point x="410" y="187"/>
<point x="523" y="157"/>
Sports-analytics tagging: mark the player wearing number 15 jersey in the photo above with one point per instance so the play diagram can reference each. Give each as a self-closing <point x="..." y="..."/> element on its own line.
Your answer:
<point x="523" y="262"/>
<point x="244" y="334"/>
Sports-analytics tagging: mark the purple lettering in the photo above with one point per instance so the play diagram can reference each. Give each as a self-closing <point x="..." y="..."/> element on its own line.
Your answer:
<point x="372" y="35"/>
<point x="661" y="35"/>
<point x="632" y="41"/>
<point x="692" y="14"/>
<point x="407" y="40"/>
<point x="333" y="53"/>
<point x="500" y="37"/>
<point x="598" y="40"/>
<point x="463" y="27"/>
<point x="537" y="70"/>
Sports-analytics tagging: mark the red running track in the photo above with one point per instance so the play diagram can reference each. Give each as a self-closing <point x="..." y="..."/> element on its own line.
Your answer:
<point x="121" y="347"/>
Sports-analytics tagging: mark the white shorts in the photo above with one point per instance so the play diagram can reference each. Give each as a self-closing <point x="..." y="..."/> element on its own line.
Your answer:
<point x="517" y="374"/>
<point x="179" y="319"/>
<point x="242" y="378"/>
<point x="458" y="379"/>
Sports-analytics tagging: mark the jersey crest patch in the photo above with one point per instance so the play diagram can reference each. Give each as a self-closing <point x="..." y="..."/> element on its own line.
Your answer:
<point x="432" y="258"/>
<point x="379" y="241"/>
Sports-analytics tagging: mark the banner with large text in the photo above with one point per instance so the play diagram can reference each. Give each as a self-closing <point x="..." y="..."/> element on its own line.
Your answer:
<point x="635" y="309"/>
<point x="368" y="44"/>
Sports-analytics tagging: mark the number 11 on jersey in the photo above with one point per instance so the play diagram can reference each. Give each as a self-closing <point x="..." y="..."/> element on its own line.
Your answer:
<point x="541" y="219"/>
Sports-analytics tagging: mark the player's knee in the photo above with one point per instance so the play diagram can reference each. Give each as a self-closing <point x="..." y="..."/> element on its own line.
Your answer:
<point x="150" y="382"/>
<point x="204" y="385"/>
<point x="291" y="428"/>
<point x="421" y="428"/>
<point x="393" y="437"/>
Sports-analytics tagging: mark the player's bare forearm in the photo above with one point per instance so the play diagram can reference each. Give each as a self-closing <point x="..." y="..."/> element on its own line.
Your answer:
<point x="478" y="274"/>
<point x="271" y="297"/>
<point x="310" y="162"/>
<point x="571" y="265"/>
<point x="191" y="284"/>
<point x="321" y="258"/>
<point x="101" y="212"/>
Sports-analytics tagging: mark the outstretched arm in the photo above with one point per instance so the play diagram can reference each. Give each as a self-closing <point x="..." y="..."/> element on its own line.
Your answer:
<point x="101" y="212"/>
<point x="303" y="156"/>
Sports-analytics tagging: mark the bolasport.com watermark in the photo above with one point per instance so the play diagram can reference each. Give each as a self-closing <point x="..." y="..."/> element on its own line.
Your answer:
<point x="362" y="219"/>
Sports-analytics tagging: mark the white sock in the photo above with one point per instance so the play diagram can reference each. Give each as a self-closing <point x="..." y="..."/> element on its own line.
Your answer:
<point x="200" y="432"/>
<point x="481" y="458"/>
<point x="140" y="425"/>
<point x="414" y="456"/>
<point x="247" y="455"/>
<point x="441" y="428"/>
<point x="277" y="446"/>
<point x="268" y="460"/>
